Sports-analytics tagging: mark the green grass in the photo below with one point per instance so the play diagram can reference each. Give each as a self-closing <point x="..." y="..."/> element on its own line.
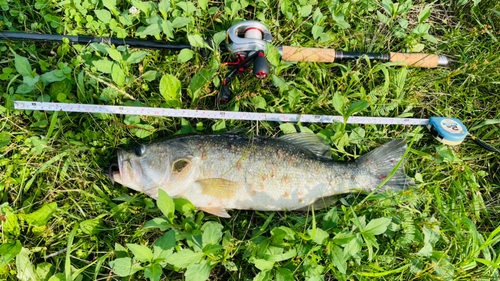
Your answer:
<point x="63" y="219"/>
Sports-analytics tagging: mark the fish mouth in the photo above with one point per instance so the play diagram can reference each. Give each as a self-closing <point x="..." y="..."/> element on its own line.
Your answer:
<point x="112" y="171"/>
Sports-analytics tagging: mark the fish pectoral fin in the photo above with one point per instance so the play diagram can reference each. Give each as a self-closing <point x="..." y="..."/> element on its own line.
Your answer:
<point x="217" y="211"/>
<point x="218" y="187"/>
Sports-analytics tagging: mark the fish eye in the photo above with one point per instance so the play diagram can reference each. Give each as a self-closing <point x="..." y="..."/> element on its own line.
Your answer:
<point x="139" y="151"/>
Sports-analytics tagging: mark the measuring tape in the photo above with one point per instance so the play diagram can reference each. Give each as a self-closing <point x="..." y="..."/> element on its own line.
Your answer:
<point x="446" y="130"/>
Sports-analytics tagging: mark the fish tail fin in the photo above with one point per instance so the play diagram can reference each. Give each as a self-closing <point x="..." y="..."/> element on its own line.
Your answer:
<point x="382" y="160"/>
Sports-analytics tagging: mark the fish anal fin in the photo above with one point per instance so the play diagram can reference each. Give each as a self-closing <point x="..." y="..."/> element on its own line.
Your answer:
<point x="216" y="211"/>
<point x="218" y="187"/>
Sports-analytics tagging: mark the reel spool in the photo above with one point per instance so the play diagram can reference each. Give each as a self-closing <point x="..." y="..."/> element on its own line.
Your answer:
<point x="247" y="37"/>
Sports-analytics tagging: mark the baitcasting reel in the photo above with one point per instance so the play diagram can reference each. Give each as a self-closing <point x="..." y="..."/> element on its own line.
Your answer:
<point x="247" y="41"/>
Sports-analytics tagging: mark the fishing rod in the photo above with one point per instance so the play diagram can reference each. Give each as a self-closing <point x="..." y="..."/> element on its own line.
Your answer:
<point x="247" y="42"/>
<point x="447" y="130"/>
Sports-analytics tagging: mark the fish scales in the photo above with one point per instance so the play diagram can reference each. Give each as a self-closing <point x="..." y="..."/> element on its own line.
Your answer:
<point x="223" y="172"/>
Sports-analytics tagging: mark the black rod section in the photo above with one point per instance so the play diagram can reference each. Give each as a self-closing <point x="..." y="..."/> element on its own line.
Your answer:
<point x="339" y="55"/>
<point x="134" y="43"/>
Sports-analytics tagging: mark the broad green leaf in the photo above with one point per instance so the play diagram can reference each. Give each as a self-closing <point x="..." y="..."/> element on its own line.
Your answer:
<point x="262" y="264"/>
<point x="110" y="4"/>
<point x="58" y="277"/>
<point x="181" y="22"/>
<point x="170" y="87"/>
<point x="167" y="28"/>
<point x="122" y="266"/>
<point x="11" y="224"/>
<point x="9" y="251"/>
<point x="149" y="75"/>
<point x="114" y="54"/>
<point x="41" y="216"/>
<point x="272" y="55"/>
<point x="281" y="257"/>
<point x="212" y="233"/>
<point x="184" y="207"/>
<point x="353" y="247"/>
<point x="357" y="107"/>
<point x="219" y="126"/>
<point x="103" y="15"/>
<point x="145" y="131"/>
<point x="117" y="74"/>
<point x="203" y="4"/>
<point x="184" y="258"/>
<point x="22" y="65"/>
<point x="263" y="276"/>
<point x="430" y="38"/>
<point x="24" y="89"/>
<point x="44" y="270"/>
<point x="53" y="76"/>
<point x="377" y="226"/>
<point x="317" y="31"/>
<point x="259" y="102"/>
<point x="30" y="81"/>
<point x="330" y="219"/>
<point x="293" y="97"/>
<point x="152" y="30"/>
<point x="136" y="57"/>
<point x="317" y="16"/>
<point x="161" y="223"/>
<point x="337" y="258"/>
<point x="24" y="267"/>
<point x="424" y="14"/>
<point x="166" y="204"/>
<point x="163" y="7"/>
<point x="185" y="55"/>
<point x="144" y="7"/>
<point x="383" y="18"/>
<point x="103" y="66"/>
<point x="153" y="272"/>
<point x="320" y="236"/>
<point x="305" y="11"/>
<point x="199" y="80"/>
<point x="164" y="245"/>
<point x="198" y="272"/>
<point x="219" y="37"/>
<point x="197" y="41"/>
<point x="4" y="139"/>
<point x="280" y="83"/>
<point x="284" y="274"/>
<point x="288" y="128"/>
<point x="338" y="102"/>
<point x="141" y="252"/>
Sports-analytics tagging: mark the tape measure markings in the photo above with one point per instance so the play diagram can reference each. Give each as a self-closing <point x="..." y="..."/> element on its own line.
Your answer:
<point x="190" y="113"/>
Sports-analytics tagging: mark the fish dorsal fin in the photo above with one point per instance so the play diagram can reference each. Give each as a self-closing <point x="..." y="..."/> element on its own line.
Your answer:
<point x="218" y="187"/>
<point x="217" y="211"/>
<point x="311" y="142"/>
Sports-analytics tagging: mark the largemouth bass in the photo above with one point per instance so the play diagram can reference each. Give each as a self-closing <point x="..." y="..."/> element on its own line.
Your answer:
<point x="218" y="173"/>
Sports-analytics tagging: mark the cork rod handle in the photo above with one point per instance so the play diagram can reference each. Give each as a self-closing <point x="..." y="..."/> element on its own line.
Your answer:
<point x="416" y="60"/>
<point x="307" y="54"/>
